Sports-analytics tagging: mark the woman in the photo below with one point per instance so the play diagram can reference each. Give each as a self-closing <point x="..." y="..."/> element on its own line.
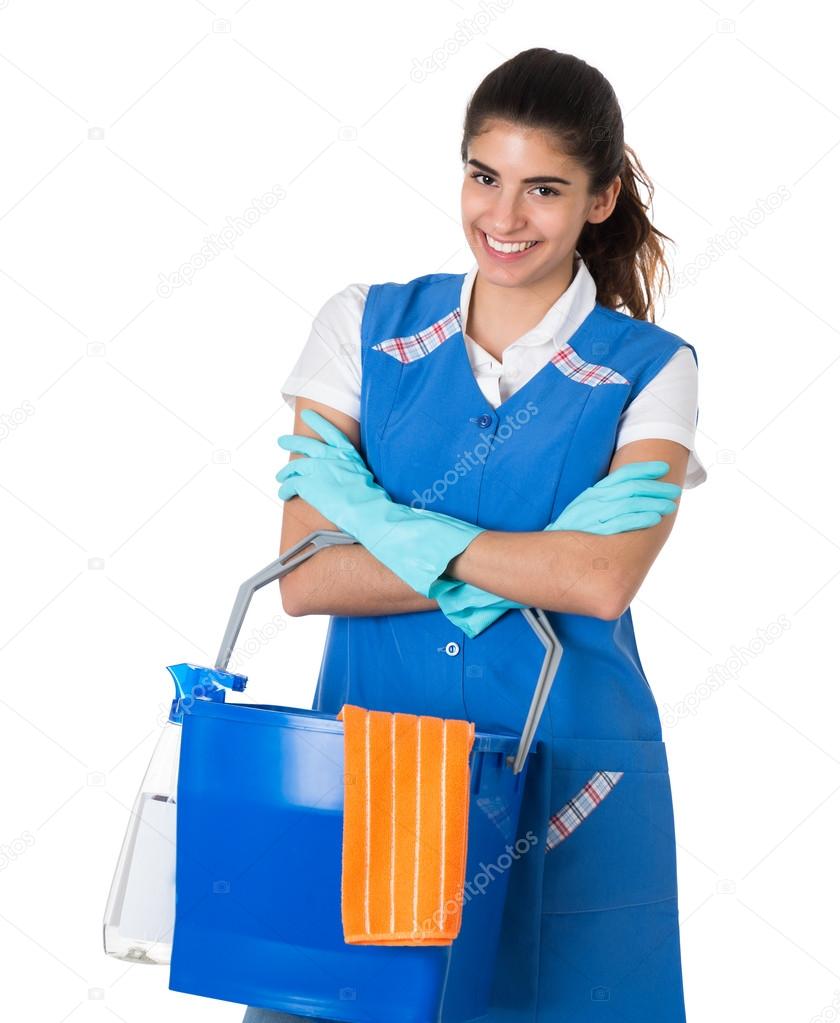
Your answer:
<point x="493" y="441"/>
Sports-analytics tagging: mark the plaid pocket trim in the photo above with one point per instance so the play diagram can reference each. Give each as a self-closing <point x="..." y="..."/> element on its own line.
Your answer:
<point x="569" y="362"/>
<point x="580" y="806"/>
<point x="415" y="346"/>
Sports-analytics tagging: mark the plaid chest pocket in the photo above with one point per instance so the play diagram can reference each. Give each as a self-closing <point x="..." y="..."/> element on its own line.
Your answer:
<point x="610" y="840"/>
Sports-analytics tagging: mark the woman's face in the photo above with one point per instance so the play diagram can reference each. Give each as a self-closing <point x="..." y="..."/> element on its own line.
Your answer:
<point x="496" y="201"/>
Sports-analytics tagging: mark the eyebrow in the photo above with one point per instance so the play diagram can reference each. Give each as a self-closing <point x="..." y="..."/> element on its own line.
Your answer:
<point x="525" y="181"/>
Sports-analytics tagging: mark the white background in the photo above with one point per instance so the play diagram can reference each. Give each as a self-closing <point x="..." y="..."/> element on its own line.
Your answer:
<point x="139" y="450"/>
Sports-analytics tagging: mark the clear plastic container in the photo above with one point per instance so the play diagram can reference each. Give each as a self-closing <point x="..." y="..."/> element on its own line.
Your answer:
<point x="140" y="912"/>
<point x="140" y="915"/>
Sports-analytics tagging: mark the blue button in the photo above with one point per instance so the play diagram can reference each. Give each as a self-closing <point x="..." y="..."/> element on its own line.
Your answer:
<point x="484" y="420"/>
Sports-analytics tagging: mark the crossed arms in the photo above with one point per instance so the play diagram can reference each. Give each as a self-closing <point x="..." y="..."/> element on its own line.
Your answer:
<point x="573" y="572"/>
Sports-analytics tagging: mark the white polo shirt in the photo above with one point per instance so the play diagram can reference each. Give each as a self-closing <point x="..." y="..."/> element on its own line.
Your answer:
<point x="329" y="368"/>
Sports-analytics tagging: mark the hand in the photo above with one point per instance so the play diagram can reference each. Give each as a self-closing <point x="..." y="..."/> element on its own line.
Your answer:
<point x="338" y="446"/>
<point x="339" y="451"/>
<point x="415" y="544"/>
<point x="624" y="500"/>
<point x="329" y="473"/>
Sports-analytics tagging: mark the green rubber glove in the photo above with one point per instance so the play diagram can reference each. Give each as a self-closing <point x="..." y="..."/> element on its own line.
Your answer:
<point x="622" y="501"/>
<point x="416" y="544"/>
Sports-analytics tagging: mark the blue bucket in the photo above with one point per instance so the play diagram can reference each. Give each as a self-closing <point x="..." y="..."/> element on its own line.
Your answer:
<point x="258" y="859"/>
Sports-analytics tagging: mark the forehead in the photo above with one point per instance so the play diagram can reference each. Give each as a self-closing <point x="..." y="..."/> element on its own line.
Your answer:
<point x="513" y="147"/>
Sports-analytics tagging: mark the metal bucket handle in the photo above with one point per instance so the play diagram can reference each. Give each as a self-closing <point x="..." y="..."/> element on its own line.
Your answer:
<point x="320" y="538"/>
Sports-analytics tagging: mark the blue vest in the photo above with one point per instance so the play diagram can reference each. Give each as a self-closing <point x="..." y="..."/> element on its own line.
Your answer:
<point x="432" y="440"/>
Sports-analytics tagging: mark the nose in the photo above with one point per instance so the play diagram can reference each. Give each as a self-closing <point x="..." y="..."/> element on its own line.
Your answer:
<point x="506" y="217"/>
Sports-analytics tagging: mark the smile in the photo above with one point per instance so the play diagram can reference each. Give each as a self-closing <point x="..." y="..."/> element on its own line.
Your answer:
<point x="499" y="246"/>
<point x="506" y="251"/>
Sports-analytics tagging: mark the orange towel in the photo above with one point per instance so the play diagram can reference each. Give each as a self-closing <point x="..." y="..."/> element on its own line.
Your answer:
<point x="406" y="819"/>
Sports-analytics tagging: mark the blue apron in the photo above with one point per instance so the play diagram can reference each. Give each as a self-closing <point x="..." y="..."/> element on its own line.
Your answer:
<point x="590" y="930"/>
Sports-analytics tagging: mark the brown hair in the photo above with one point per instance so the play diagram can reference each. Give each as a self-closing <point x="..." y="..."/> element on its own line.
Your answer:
<point x="575" y="105"/>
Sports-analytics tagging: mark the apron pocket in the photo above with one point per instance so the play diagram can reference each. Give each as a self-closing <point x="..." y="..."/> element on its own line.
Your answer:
<point x="610" y="840"/>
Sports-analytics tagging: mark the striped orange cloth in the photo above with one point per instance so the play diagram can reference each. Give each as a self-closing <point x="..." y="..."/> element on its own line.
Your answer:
<point x="406" y="820"/>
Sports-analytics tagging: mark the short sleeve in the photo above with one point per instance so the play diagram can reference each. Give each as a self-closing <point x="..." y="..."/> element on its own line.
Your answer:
<point x="329" y="367"/>
<point x="667" y="408"/>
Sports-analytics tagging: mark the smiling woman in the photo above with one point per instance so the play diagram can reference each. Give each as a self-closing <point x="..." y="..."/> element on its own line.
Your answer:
<point x="493" y="217"/>
<point x="532" y="408"/>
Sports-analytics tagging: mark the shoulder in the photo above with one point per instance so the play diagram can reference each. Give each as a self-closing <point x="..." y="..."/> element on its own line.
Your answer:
<point x="680" y="366"/>
<point x="673" y="386"/>
<point x="346" y="304"/>
<point x="664" y="341"/>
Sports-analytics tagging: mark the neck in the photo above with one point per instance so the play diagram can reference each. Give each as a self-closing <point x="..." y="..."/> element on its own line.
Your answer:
<point x="499" y="314"/>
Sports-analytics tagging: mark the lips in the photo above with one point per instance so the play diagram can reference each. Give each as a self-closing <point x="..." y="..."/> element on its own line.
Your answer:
<point x="508" y="257"/>
<point x="511" y="241"/>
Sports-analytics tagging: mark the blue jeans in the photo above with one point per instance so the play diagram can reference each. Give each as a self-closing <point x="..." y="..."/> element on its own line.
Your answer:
<point x="254" y="1015"/>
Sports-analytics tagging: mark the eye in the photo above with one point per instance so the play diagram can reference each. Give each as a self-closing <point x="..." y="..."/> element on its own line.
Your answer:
<point x="544" y="188"/>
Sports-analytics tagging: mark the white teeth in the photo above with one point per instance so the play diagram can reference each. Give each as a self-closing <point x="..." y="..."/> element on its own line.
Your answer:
<point x="507" y="246"/>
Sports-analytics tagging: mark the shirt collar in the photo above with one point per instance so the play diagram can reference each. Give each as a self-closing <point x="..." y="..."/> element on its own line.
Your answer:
<point x="558" y="324"/>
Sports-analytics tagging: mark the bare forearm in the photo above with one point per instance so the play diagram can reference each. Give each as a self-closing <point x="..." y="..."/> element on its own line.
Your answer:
<point x="342" y="580"/>
<point x="574" y="572"/>
<point x="559" y="571"/>
<point x="578" y="573"/>
<point x="348" y="580"/>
